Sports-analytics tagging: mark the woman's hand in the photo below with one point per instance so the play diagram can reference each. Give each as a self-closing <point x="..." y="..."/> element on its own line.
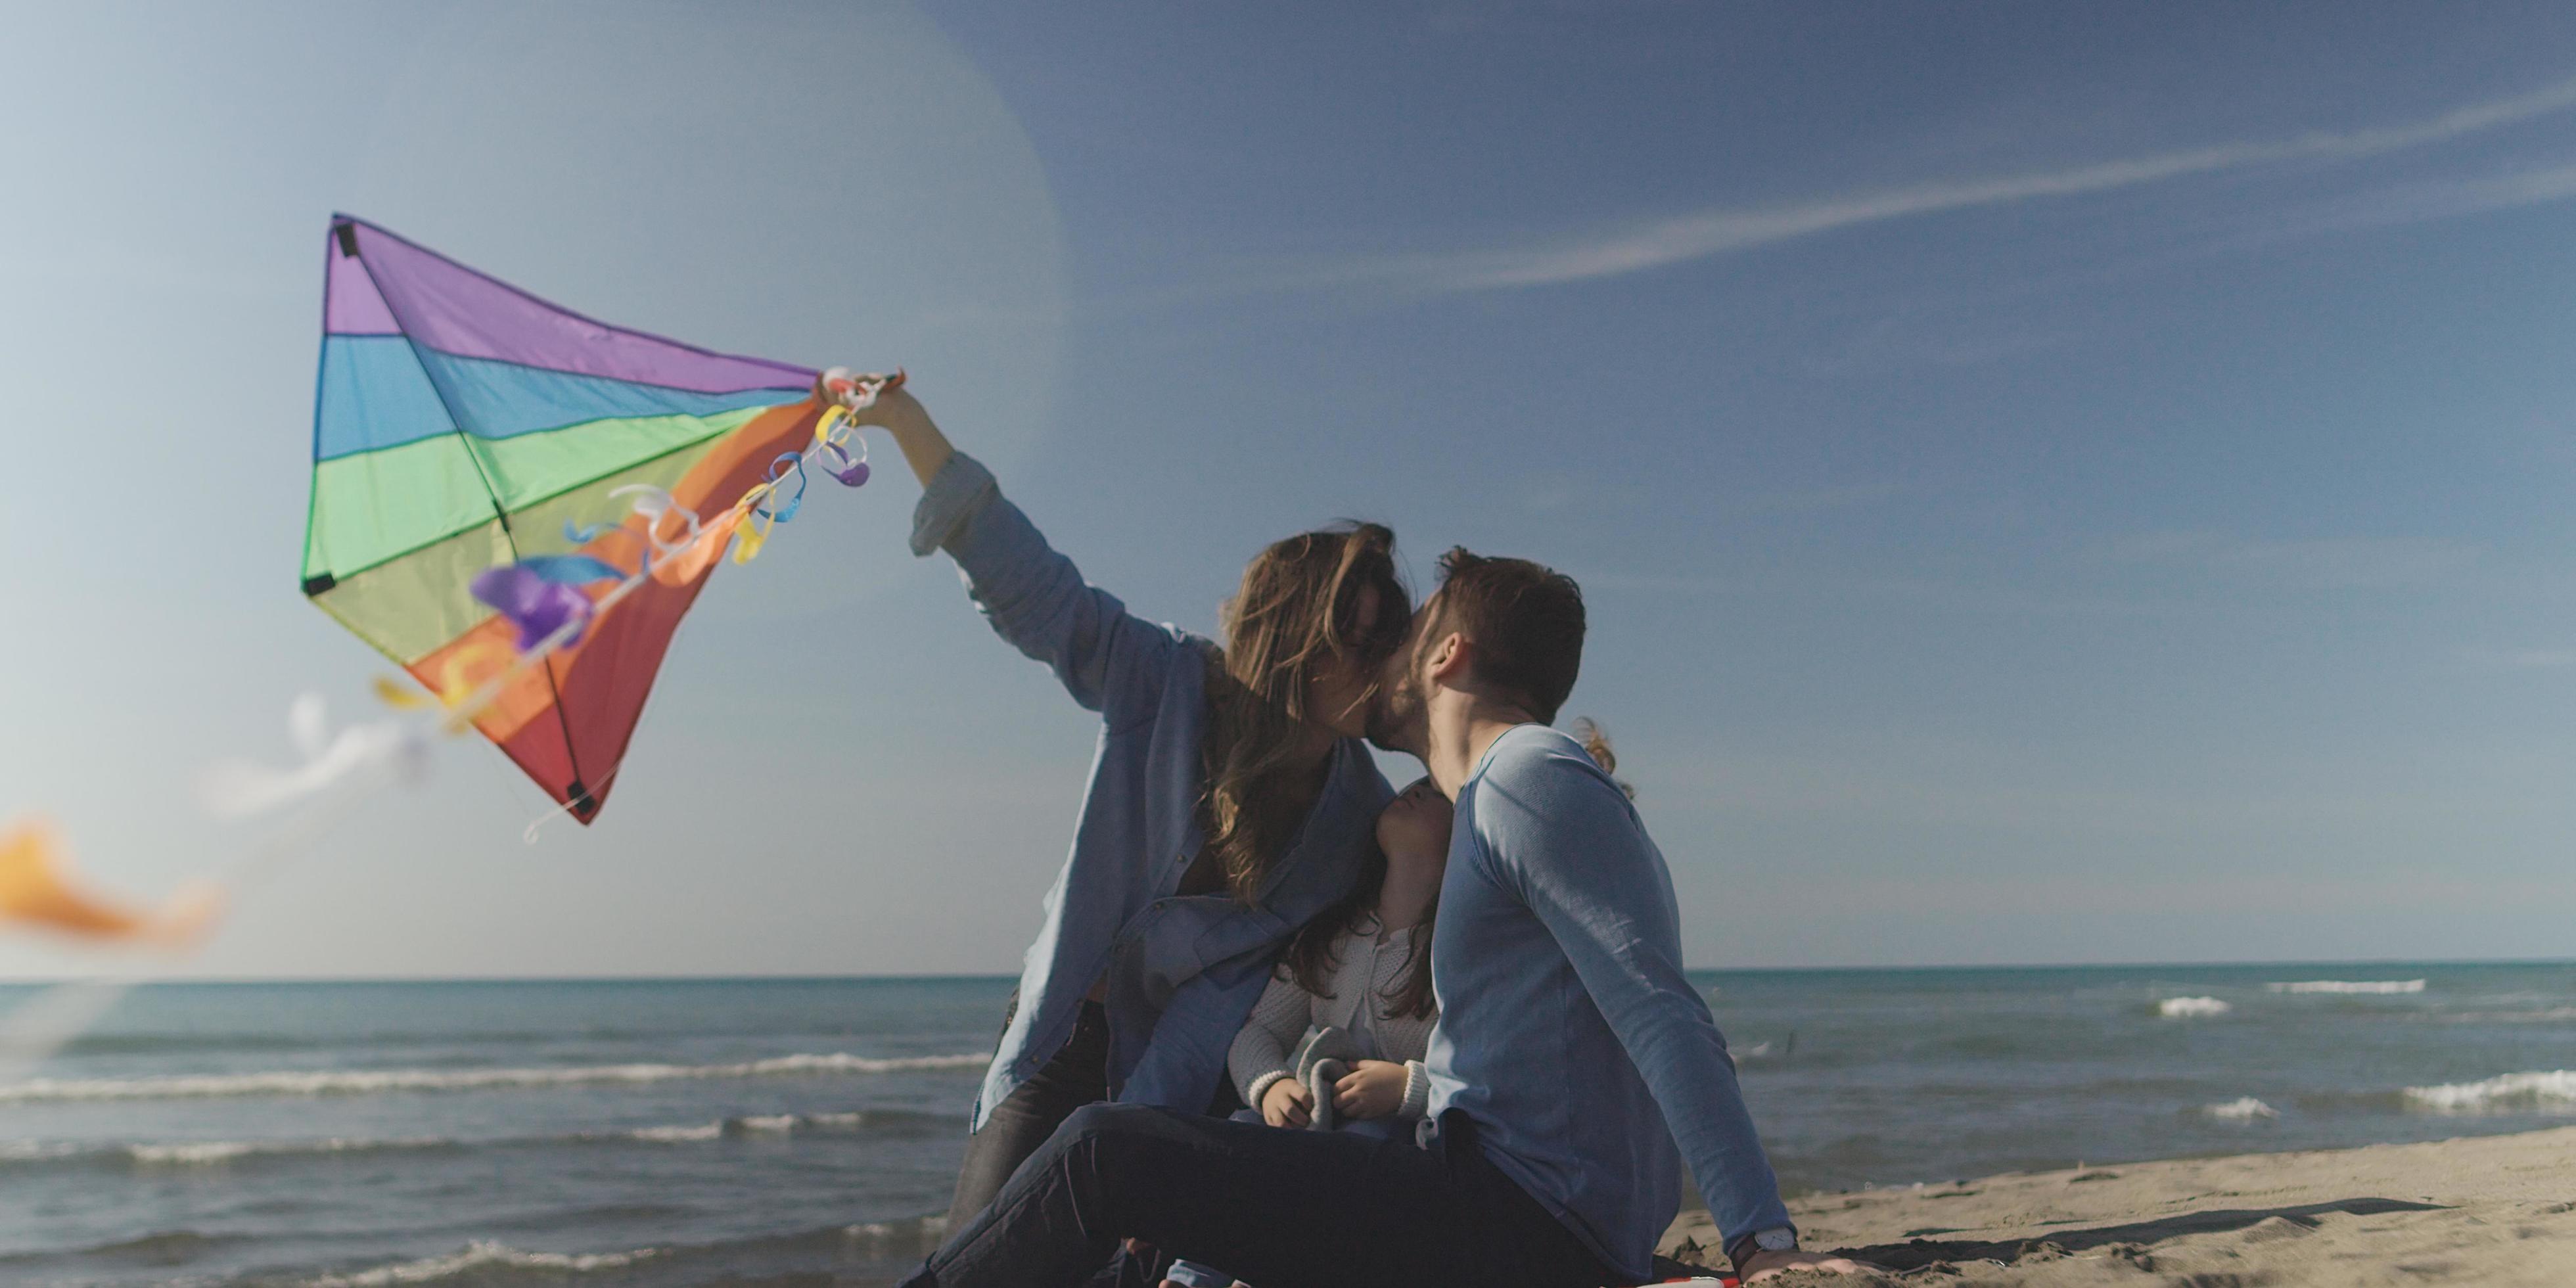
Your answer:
<point x="892" y="405"/>
<point x="925" y="449"/>
<point x="1372" y="1089"/>
<point x="1287" y="1104"/>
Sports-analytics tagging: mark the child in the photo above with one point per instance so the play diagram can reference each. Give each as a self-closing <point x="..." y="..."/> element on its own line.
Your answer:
<point x="1352" y="996"/>
<point x="1339" y="1035"/>
<point x="1353" y="993"/>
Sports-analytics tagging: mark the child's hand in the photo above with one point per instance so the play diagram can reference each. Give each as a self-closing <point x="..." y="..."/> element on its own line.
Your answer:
<point x="1372" y="1089"/>
<point x="1289" y="1104"/>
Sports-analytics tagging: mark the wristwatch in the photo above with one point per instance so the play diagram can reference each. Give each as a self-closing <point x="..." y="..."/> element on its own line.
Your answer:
<point x="1779" y="1238"/>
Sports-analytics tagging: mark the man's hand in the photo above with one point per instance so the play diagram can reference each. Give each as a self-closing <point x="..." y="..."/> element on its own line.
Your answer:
<point x="1372" y="1089"/>
<point x="1287" y="1104"/>
<point x="1765" y="1265"/>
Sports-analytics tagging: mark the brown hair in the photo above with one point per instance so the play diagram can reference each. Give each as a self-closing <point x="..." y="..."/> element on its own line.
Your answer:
<point x="1297" y="612"/>
<point x="1310" y="959"/>
<point x="1596" y="744"/>
<point x="1525" y="621"/>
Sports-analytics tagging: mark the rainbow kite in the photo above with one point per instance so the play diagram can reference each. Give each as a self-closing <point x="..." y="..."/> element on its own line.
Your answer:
<point x="491" y="474"/>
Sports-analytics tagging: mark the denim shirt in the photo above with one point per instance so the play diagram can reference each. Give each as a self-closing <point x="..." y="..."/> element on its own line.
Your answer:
<point x="1182" y="972"/>
<point x="1567" y="1031"/>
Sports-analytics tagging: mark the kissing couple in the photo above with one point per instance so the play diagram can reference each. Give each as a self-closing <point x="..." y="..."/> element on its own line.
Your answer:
<point x="1476" y="983"/>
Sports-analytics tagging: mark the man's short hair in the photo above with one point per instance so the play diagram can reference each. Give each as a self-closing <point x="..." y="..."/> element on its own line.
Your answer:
<point x="1525" y="620"/>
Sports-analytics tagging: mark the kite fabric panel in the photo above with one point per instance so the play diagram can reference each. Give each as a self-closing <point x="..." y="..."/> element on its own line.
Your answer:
<point x="461" y="423"/>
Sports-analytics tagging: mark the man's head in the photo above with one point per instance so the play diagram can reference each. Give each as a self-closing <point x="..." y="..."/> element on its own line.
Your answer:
<point x="1504" y="630"/>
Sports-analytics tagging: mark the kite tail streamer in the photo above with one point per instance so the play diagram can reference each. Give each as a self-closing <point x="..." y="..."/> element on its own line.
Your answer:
<point x="37" y="889"/>
<point x="37" y="1029"/>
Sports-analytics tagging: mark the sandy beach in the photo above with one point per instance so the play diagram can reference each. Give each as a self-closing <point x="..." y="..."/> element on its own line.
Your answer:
<point x="2490" y="1210"/>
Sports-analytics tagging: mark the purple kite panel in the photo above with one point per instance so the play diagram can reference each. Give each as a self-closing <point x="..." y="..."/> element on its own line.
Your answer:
<point x="451" y="308"/>
<point x="350" y="305"/>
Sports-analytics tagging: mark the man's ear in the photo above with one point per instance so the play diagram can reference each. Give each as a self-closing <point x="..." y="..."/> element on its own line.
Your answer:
<point x="1448" y="661"/>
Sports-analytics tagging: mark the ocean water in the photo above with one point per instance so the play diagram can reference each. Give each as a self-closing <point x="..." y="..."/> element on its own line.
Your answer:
<point x="802" y="1131"/>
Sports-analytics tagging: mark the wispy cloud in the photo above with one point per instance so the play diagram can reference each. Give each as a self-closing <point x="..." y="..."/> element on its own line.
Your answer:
<point x="1720" y="231"/>
<point x="2521" y="659"/>
<point x="2438" y="199"/>
<point x="2325" y="563"/>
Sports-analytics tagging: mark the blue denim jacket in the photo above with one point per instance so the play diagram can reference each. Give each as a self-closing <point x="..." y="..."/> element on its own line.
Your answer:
<point x="1182" y="971"/>
<point x="1567" y="1030"/>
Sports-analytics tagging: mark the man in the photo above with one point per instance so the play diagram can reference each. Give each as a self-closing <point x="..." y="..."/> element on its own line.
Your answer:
<point x="1571" y="1053"/>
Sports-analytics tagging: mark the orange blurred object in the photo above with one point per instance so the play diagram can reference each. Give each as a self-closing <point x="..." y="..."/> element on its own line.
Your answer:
<point x="36" y="890"/>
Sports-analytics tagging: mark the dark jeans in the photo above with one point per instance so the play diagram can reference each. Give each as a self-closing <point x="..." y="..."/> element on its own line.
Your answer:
<point x="1077" y="1075"/>
<point x="1281" y="1209"/>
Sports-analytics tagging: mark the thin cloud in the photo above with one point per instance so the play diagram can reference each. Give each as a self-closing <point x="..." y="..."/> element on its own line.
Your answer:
<point x="2521" y="659"/>
<point x="2443" y="199"/>
<point x="2330" y="563"/>
<point x="1723" y="231"/>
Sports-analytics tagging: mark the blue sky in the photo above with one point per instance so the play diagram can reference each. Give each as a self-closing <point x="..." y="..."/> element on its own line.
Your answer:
<point x="2053" y="483"/>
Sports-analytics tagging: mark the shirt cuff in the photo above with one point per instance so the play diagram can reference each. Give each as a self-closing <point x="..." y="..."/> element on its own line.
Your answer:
<point x="954" y="495"/>
<point x="1417" y="1091"/>
<point x="1254" y="1090"/>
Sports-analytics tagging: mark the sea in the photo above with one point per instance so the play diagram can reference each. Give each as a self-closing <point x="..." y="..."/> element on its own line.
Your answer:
<point x="805" y="1131"/>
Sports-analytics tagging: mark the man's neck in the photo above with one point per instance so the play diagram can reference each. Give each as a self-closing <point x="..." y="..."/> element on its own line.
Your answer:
<point x="1463" y="726"/>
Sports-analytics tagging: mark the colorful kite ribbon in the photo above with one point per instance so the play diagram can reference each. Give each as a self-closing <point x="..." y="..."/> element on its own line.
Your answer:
<point x="543" y="596"/>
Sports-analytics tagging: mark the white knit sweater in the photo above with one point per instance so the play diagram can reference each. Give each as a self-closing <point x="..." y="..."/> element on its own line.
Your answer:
<point x="1369" y="967"/>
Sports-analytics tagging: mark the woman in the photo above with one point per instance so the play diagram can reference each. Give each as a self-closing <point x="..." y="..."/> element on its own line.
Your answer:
<point x="1231" y="799"/>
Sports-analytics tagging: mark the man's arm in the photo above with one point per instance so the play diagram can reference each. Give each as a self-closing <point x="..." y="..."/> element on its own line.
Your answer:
<point x="1567" y="841"/>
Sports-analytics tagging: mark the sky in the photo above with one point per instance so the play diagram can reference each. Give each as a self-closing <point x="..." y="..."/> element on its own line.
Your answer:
<point x="2051" y="483"/>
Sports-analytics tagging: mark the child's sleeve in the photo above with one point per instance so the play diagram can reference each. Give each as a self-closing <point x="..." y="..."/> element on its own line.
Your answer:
<point x="1259" y="1056"/>
<point x="1417" y="1091"/>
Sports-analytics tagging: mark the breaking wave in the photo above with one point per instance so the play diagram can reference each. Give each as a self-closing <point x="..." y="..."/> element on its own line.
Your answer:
<point x="2554" y="1089"/>
<point x="779" y="1125"/>
<point x="493" y="1264"/>
<point x="2370" y="986"/>
<point x="218" y="1153"/>
<point x="2244" y="1109"/>
<point x="2184" y="1008"/>
<point x="203" y="1153"/>
<point x="482" y="1261"/>
<point x="360" y="1082"/>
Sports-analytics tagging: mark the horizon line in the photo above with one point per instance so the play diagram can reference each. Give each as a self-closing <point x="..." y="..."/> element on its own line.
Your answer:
<point x="964" y="977"/>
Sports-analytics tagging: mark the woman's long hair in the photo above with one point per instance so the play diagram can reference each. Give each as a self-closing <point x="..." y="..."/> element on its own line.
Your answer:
<point x="1311" y="959"/>
<point x="1299" y="611"/>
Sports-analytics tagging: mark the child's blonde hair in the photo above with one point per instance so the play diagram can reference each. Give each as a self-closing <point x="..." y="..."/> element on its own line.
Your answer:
<point x="1596" y="743"/>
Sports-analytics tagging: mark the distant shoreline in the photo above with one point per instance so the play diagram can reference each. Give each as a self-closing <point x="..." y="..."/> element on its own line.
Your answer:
<point x="2370" y="963"/>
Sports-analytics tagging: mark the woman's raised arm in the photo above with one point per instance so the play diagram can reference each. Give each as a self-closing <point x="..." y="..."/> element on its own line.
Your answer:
<point x="924" y="448"/>
<point x="1109" y="659"/>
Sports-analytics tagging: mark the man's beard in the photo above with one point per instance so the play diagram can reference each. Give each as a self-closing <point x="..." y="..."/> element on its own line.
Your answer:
<point x="1399" y="716"/>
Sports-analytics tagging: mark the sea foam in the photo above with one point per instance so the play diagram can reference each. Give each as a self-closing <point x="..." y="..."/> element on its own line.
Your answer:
<point x="218" y="1153"/>
<point x="214" y="1153"/>
<point x="677" y="1135"/>
<point x="2372" y="986"/>
<point x="2244" y="1109"/>
<point x="359" y="1082"/>
<point x="482" y="1261"/>
<point x="2185" y="1008"/>
<point x="2552" y="1089"/>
